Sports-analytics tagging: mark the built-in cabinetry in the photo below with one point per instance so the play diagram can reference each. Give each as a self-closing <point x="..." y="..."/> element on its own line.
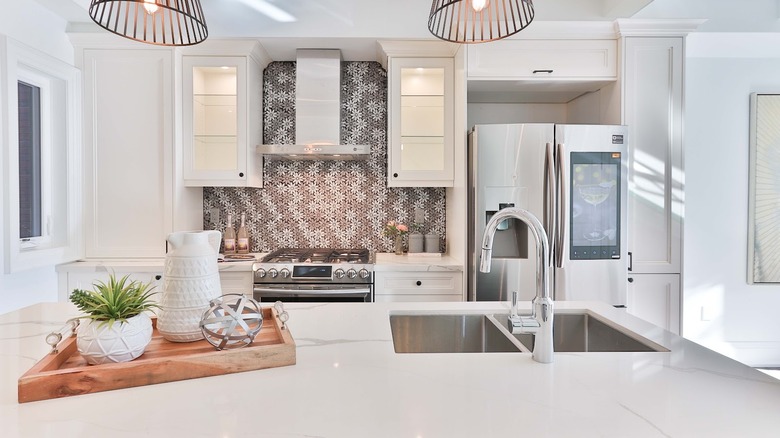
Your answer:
<point x="544" y="60"/>
<point x="234" y="278"/>
<point x="656" y="299"/>
<point x="128" y="144"/>
<point x="652" y="109"/>
<point x="236" y="282"/>
<point x="420" y="151"/>
<point x="78" y="275"/>
<point x="222" y="114"/>
<point x="418" y="286"/>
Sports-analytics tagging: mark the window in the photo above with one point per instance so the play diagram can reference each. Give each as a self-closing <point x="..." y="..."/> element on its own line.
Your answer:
<point x="42" y="177"/>
<point x="29" y="107"/>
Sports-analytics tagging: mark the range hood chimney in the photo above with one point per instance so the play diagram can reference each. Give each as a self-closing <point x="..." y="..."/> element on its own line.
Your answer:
<point x="317" y="112"/>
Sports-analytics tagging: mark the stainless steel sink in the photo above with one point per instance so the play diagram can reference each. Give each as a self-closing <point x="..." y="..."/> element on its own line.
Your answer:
<point x="582" y="332"/>
<point x="474" y="333"/>
<point x="479" y="333"/>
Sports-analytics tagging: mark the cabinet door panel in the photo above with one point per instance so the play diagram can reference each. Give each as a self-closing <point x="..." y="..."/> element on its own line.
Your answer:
<point x="656" y="299"/>
<point x="129" y="146"/>
<point x="421" y="126"/>
<point x="543" y="59"/>
<point x="653" y="113"/>
<point x="214" y="118"/>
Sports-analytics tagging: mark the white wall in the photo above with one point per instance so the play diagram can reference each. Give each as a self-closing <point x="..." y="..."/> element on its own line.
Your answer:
<point x="721" y="15"/>
<point x="721" y="310"/>
<point x="29" y="23"/>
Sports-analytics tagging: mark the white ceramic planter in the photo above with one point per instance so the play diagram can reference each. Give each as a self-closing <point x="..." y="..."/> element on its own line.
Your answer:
<point x="116" y="342"/>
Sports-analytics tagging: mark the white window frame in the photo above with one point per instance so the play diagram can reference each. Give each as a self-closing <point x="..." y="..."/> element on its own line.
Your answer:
<point x="61" y="156"/>
<point x="44" y="84"/>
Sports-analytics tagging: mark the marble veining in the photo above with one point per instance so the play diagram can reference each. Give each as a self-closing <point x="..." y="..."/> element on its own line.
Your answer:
<point x="353" y="384"/>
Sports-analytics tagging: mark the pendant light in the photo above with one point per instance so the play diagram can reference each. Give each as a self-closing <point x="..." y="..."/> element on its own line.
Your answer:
<point x="479" y="21"/>
<point x="160" y="22"/>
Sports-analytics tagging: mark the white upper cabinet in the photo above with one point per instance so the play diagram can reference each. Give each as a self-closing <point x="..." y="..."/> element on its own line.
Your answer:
<point x="653" y="95"/>
<point x="420" y="152"/>
<point x="128" y="125"/>
<point x="221" y="120"/>
<point x="544" y="60"/>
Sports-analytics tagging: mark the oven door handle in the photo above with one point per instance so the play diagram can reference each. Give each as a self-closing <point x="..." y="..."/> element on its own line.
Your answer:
<point x="324" y="291"/>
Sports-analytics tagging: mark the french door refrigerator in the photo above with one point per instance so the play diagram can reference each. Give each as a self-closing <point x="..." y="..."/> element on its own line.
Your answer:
<point x="574" y="179"/>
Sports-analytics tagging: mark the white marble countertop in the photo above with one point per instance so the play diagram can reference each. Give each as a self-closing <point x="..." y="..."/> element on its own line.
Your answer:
<point x="144" y="265"/>
<point x="416" y="262"/>
<point x="349" y="382"/>
<point x="383" y="262"/>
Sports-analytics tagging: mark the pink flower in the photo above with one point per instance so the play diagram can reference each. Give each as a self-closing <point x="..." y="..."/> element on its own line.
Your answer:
<point x="395" y="228"/>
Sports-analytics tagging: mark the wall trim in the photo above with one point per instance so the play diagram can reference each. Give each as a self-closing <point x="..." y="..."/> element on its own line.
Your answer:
<point x="652" y="27"/>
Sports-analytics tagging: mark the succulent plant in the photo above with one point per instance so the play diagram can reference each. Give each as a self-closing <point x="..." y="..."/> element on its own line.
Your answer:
<point x="116" y="300"/>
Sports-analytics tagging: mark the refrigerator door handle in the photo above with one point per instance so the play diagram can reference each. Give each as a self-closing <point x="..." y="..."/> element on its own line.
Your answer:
<point x="549" y="198"/>
<point x="562" y="191"/>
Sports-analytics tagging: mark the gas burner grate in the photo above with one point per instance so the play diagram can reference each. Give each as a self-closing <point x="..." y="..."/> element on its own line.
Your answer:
<point x="318" y="255"/>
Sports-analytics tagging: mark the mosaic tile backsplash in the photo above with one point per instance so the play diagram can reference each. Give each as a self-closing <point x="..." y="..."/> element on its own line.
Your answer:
<point x="342" y="204"/>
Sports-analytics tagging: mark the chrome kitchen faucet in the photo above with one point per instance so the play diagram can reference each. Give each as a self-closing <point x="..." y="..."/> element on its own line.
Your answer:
<point x="540" y="322"/>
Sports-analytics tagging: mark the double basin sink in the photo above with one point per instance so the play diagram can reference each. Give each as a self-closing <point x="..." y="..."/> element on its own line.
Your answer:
<point x="487" y="333"/>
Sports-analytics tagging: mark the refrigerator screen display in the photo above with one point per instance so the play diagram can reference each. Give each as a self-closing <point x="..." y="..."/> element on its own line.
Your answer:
<point x="595" y="205"/>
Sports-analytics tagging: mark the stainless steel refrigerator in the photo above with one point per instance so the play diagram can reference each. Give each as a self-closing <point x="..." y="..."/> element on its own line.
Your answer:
<point x="574" y="179"/>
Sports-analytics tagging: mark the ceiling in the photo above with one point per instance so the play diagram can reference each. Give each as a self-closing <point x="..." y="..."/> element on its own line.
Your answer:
<point x="350" y="25"/>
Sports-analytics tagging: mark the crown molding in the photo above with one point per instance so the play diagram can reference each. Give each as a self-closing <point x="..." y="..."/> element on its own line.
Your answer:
<point x="652" y="27"/>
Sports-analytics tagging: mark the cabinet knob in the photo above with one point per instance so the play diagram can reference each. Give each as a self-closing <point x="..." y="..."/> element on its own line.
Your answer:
<point x="418" y="283"/>
<point x="630" y="280"/>
<point x="158" y="277"/>
<point x="241" y="174"/>
<point x="395" y="175"/>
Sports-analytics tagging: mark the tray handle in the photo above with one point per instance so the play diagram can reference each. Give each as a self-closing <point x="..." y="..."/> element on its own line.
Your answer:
<point x="68" y="330"/>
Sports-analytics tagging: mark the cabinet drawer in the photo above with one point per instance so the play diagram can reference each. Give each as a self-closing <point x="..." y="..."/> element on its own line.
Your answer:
<point x="419" y="283"/>
<point x="236" y="283"/>
<point x="423" y="298"/>
<point x="543" y="59"/>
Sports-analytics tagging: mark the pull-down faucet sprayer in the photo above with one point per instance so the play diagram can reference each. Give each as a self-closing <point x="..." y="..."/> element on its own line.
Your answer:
<point x="540" y="322"/>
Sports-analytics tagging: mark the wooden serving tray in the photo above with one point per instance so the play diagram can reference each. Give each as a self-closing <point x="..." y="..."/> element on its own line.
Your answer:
<point x="67" y="373"/>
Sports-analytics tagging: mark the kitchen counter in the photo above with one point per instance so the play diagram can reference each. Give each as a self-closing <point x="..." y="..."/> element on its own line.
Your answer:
<point x="416" y="262"/>
<point x="143" y="265"/>
<point x="348" y="382"/>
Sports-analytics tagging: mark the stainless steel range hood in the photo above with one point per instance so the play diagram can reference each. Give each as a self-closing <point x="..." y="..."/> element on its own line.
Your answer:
<point x="317" y="112"/>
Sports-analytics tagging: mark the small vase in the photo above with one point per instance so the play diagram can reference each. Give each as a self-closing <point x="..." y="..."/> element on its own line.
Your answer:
<point x="399" y="245"/>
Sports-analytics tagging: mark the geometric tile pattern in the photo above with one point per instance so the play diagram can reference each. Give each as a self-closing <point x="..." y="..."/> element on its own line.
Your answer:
<point x="342" y="204"/>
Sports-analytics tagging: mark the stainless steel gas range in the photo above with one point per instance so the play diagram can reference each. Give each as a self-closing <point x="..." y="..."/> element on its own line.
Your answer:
<point x="314" y="275"/>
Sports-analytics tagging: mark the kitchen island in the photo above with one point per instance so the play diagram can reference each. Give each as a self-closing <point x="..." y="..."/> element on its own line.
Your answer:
<point x="349" y="382"/>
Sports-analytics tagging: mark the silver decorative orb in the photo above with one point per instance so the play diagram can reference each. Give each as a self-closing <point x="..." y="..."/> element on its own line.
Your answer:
<point x="232" y="321"/>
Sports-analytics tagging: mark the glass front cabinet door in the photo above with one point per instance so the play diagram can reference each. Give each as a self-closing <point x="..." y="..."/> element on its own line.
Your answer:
<point x="420" y="152"/>
<point x="218" y="148"/>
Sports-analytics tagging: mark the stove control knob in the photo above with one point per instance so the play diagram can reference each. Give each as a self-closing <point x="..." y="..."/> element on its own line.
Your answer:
<point x="339" y="273"/>
<point x="285" y="272"/>
<point x="351" y="273"/>
<point x="273" y="273"/>
<point x="363" y="274"/>
<point x="260" y="273"/>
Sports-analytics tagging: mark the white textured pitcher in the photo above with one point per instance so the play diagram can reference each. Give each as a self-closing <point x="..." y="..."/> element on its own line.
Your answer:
<point x="190" y="281"/>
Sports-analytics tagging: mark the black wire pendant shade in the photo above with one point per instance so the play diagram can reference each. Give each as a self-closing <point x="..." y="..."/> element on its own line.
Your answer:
<point x="479" y="21"/>
<point x="160" y="22"/>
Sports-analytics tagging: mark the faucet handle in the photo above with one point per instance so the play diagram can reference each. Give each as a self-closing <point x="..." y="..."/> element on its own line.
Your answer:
<point x="513" y="310"/>
<point x="523" y="324"/>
